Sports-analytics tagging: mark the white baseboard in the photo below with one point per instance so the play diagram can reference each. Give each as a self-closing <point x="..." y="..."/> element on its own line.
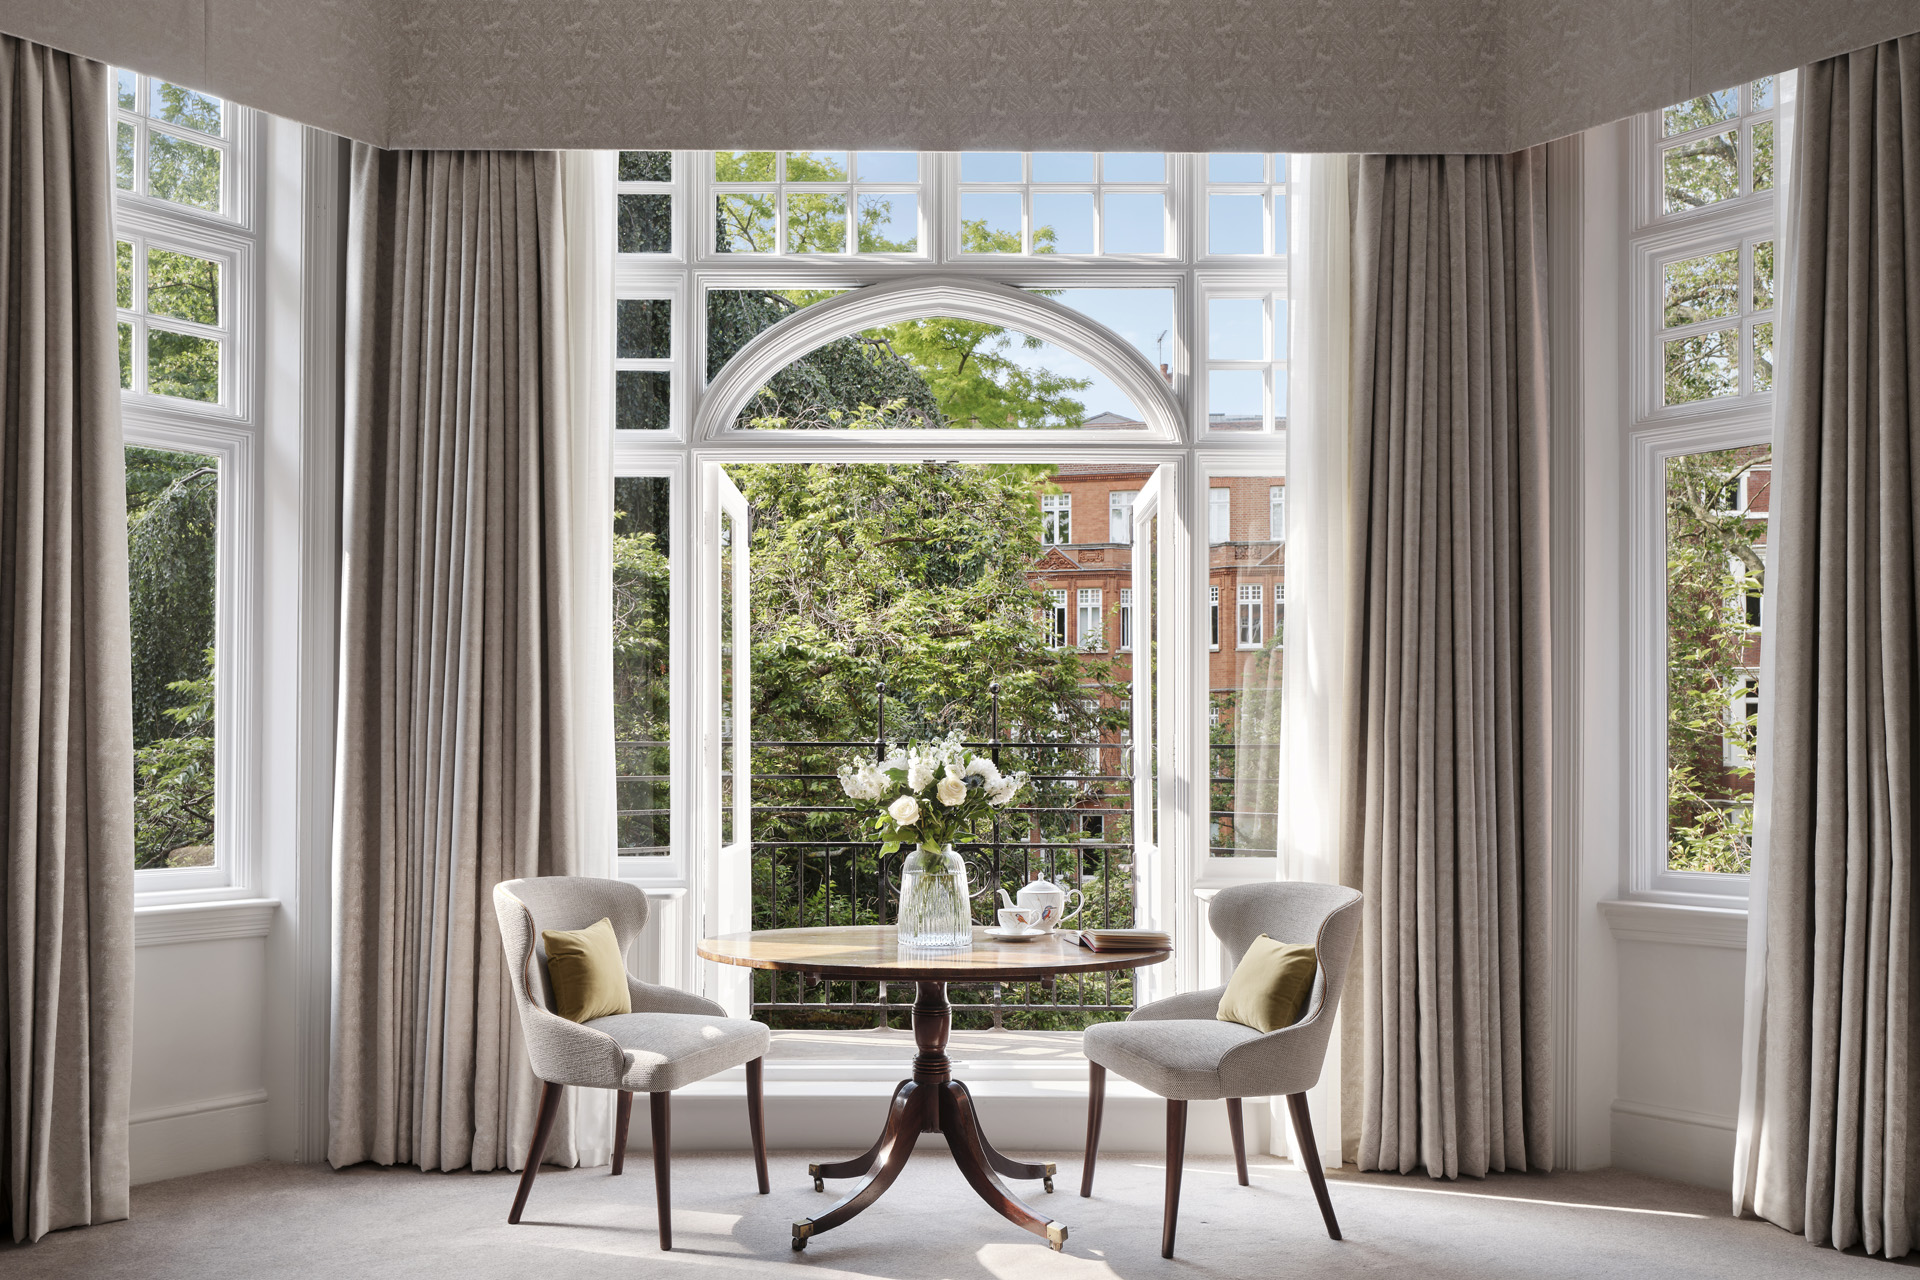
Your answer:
<point x="1672" y="1142"/>
<point x="198" y="1137"/>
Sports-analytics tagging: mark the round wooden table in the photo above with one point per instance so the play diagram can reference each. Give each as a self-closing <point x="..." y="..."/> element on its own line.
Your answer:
<point x="932" y="1101"/>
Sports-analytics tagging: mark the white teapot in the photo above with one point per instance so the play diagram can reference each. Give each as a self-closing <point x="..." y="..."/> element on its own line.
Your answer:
<point x="1049" y="899"/>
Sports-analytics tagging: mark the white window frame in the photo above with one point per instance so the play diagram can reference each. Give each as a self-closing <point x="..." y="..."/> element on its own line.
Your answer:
<point x="1268" y="287"/>
<point x="1219" y="515"/>
<point x="1120" y="515"/>
<point x="1170" y="189"/>
<point x="1276" y="513"/>
<point x="1056" y="519"/>
<point x="1272" y="187"/>
<point x="1089" y="619"/>
<point x="1250" y="605"/>
<point x="231" y="432"/>
<point x="1213" y="626"/>
<point x="781" y="187"/>
<point x="1056" y="617"/>
<point x="1126" y="621"/>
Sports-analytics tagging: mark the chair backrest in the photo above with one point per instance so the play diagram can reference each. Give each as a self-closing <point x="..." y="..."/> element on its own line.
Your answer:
<point x="527" y="907"/>
<point x="1325" y="915"/>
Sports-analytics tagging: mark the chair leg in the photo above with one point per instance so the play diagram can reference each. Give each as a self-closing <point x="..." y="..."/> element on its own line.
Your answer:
<point x="1310" y="1153"/>
<point x="757" y="1121"/>
<point x="550" y="1095"/>
<point x="662" y="1192"/>
<point x="622" y="1114"/>
<point x="1096" y="1109"/>
<point x="1176" y="1157"/>
<point x="1237" y="1128"/>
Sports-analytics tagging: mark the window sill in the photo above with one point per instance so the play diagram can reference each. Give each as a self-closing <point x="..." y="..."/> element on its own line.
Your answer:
<point x="203" y="921"/>
<point x="1637" y="920"/>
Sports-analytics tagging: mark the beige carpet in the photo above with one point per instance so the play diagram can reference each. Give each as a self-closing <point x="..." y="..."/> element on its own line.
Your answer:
<point x="287" y="1220"/>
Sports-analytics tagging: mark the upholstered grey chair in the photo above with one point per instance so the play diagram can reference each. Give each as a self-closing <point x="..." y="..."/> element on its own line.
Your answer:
<point x="670" y="1039"/>
<point x="1180" y="1050"/>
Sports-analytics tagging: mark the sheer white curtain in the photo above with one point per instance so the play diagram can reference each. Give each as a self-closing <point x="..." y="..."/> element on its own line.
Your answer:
<point x="1320" y="263"/>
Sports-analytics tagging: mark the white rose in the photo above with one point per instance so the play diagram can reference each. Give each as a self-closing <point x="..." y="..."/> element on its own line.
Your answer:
<point x="905" y="811"/>
<point x="919" y="772"/>
<point x="952" y="791"/>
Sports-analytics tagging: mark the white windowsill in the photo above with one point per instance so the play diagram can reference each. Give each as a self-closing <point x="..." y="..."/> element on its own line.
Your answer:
<point x="1638" y="920"/>
<point x="203" y="921"/>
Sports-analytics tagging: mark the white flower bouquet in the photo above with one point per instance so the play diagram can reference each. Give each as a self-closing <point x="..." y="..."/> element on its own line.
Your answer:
<point x="927" y="793"/>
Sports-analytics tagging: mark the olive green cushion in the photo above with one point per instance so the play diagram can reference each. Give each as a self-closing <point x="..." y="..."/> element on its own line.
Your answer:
<point x="588" y="974"/>
<point x="1270" y="985"/>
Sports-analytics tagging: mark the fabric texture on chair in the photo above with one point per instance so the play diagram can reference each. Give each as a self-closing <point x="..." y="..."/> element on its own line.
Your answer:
<point x="672" y="1038"/>
<point x="1448" y="729"/>
<point x="66" y="708"/>
<point x="1180" y="1049"/>
<point x="456" y="768"/>
<point x="1836" y="1134"/>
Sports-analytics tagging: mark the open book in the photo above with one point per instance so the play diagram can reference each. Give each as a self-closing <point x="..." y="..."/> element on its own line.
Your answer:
<point x="1119" y="939"/>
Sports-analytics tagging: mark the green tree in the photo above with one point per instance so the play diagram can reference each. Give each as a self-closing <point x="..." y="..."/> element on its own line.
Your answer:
<point x="641" y="631"/>
<point x="173" y="782"/>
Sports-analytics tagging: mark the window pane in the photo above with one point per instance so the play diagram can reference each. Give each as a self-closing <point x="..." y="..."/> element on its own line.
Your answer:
<point x="817" y="166"/>
<point x="817" y="223"/>
<point x="125" y="94"/>
<point x="183" y="172"/>
<point x="744" y="223"/>
<point x="1063" y="222"/>
<point x="743" y="166"/>
<point x="641" y="656"/>
<point x="183" y="286"/>
<point x="1279" y="393"/>
<point x="1236" y="222"/>
<point x="1763" y="275"/>
<point x="889" y="222"/>
<point x="172" y="514"/>
<point x="123" y="156"/>
<point x="734" y="316"/>
<point x="642" y="399"/>
<point x="1712" y="109"/>
<point x="1703" y="288"/>
<point x="1703" y="367"/>
<point x="1701" y="172"/>
<point x="646" y="166"/>
<point x="1280" y="166"/>
<point x="989" y="222"/>
<point x="1763" y="93"/>
<point x="889" y="166"/>
<point x="126" y="356"/>
<point x="1763" y="156"/>
<point x="1062" y="166"/>
<point x="1234" y="328"/>
<point x="1716" y="562"/>
<point x="646" y="223"/>
<point x="1233" y="399"/>
<point x="122" y="274"/>
<point x="1281" y="338"/>
<point x="1133" y="166"/>
<point x="990" y="166"/>
<point x="1240" y="167"/>
<point x="643" y="328"/>
<point x="1279" y="223"/>
<point x="1763" y="356"/>
<point x="1135" y="222"/>
<point x="183" y="366"/>
<point x="179" y="105"/>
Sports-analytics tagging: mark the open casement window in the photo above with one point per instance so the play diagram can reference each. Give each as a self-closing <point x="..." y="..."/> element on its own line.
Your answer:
<point x="726" y="843"/>
<point x="1155" y="658"/>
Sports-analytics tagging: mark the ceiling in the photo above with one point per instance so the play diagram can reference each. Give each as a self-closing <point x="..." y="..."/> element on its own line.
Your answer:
<point x="1172" y="75"/>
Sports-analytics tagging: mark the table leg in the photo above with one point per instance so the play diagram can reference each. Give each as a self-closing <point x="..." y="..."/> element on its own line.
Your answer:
<point x="905" y="1119"/>
<point x="847" y="1168"/>
<point x="961" y="1125"/>
<point x="1005" y="1165"/>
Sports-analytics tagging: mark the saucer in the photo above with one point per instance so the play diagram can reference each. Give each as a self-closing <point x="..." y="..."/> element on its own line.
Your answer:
<point x="1002" y="935"/>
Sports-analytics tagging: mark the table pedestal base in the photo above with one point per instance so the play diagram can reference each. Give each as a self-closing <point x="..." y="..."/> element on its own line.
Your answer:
<point x="931" y="1102"/>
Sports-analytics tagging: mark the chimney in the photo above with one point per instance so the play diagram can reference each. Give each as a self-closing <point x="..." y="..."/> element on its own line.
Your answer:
<point x="1166" y="373"/>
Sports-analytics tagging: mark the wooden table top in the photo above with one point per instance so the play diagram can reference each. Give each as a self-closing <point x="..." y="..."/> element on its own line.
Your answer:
<point x="873" y="951"/>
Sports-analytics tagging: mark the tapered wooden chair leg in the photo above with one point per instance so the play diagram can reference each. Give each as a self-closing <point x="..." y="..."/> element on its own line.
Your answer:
<point x="550" y="1095"/>
<point x="1237" y="1128"/>
<point x="622" y="1114"/>
<point x="757" y="1121"/>
<point x="662" y="1191"/>
<point x="1176" y="1158"/>
<point x="1310" y="1153"/>
<point x="1096" y="1108"/>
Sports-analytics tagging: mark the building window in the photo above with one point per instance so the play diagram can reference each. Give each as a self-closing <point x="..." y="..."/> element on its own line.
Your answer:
<point x="1276" y="513"/>
<point x="1213" y="617"/>
<point x="1064" y="202"/>
<point x="1247" y="360"/>
<point x="1716" y="147"/>
<point x="1090" y="619"/>
<point x="1056" y="519"/>
<point x="1057" y="617"/>
<point x="817" y="202"/>
<point x="1246" y="204"/>
<point x="1126" y="618"/>
<point x="1219" y="516"/>
<point x="1120" y="515"/>
<point x="1252" y="629"/>
<point x="175" y="145"/>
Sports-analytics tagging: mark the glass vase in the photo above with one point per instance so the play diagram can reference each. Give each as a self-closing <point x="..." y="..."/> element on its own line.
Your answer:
<point x="936" y="911"/>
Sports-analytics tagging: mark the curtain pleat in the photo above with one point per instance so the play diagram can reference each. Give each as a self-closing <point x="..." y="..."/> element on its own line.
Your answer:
<point x="1447" y="714"/>
<point x="1837" y="1122"/>
<point x="456" y="766"/>
<point x="66" y="709"/>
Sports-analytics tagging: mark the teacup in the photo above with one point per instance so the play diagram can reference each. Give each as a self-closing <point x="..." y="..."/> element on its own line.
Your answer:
<point x="1020" y="919"/>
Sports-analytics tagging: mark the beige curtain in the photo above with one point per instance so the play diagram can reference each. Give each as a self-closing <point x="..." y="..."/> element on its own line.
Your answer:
<point x="1447" y="713"/>
<point x="66" y="710"/>
<point x="1838" y="1121"/>
<point x="456" y="769"/>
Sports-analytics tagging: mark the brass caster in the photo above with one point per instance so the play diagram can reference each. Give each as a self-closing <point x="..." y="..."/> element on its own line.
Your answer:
<point x="1047" y="1175"/>
<point x="1048" y="1182"/>
<point x="801" y="1230"/>
<point x="1057" y="1236"/>
<point x="818" y="1185"/>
